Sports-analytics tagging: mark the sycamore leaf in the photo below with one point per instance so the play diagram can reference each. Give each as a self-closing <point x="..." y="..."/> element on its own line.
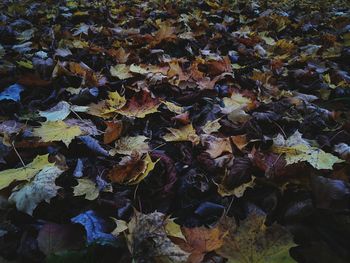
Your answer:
<point x="148" y="241"/>
<point x="296" y="149"/>
<point x="57" y="131"/>
<point x="127" y="145"/>
<point x="42" y="188"/>
<point x="121" y="71"/>
<point x="140" y="105"/>
<point x="185" y="133"/>
<point x="86" y="187"/>
<point x="132" y="170"/>
<point x="24" y="173"/>
<point x="56" y="113"/>
<point x="252" y="241"/>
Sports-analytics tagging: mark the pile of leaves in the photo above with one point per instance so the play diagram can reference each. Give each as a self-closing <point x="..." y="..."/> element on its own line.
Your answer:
<point x="174" y="131"/>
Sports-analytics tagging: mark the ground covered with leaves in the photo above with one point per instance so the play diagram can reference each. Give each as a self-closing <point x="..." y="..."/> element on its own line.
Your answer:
<point x="174" y="131"/>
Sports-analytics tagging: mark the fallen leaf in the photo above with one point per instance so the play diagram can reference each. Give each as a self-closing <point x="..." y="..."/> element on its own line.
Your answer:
<point x="132" y="170"/>
<point x="128" y="145"/>
<point x="86" y="187"/>
<point x="296" y="149"/>
<point x="147" y="240"/>
<point x="185" y="133"/>
<point x="252" y="241"/>
<point x="57" y="131"/>
<point x="95" y="227"/>
<point x="41" y="188"/>
<point x="54" y="238"/>
<point x="140" y="105"/>
<point x="56" y="113"/>
<point x="24" y="173"/>
<point x="113" y="131"/>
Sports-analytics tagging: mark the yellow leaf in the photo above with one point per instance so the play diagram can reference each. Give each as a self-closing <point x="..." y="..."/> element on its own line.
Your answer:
<point x="149" y="167"/>
<point x="127" y="145"/>
<point x="297" y="150"/>
<point x="173" y="107"/>
<point x="212" y="126"/>
<point x="237" y="191"/>
<point x="86" y="187"/>
<point x="185" y="133"/>
<point x="121" y="71"/>
<point x="252" y="241"/>
<point x="57" y="131"/>
<point x="236" y="101"/>
<point x="172" y="229"/>
<point x="24" y="173"/>
<point x="25" y="64"/>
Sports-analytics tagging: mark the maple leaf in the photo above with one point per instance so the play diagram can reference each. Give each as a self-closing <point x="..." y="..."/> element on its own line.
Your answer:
<point x="109" y="107"/>
<point x="128" y="145"/>
<point x="235" y="102"/>
<point x="212" y="126"/>
<point x="252" y="241"/>
<point x="24" y="173"/>
<point x="113" y="131"/>
<point x="185" y="133"/>
<point x="238" y="191"/>
<point x="86" y="187"/>
<point x="42" y="188"/>
<point x="201" y="240"/>
<point x="140" y="105"/>
<point x="121" y="71"/>
<point x="216" y="146"/>
<point x="296" y="149"/>
<point x="132" y="169"/>
<point x="147" y="240"/>
<point x="57" y="131"/>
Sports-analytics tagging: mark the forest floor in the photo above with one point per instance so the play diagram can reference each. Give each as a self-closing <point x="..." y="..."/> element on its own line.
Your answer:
<point x="174" y="131"/>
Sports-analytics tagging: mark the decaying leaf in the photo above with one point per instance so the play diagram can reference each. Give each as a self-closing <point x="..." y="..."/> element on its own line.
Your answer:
<point x="41" y="188"/>
<point x="128" y="145"/>
<point x="147" y="240"/>
<point x="252" y="241"/>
